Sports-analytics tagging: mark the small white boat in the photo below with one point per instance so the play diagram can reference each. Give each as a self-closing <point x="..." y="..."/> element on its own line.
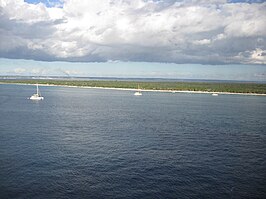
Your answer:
<point x="37" y="96"/>
<point x="138" y="93"/>
<point x="215" y="94"/>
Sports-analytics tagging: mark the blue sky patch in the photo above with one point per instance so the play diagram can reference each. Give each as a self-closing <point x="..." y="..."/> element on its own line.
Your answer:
<point x="48" y="3"/>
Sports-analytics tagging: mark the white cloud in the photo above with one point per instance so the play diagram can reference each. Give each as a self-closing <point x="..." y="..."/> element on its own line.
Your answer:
<point x="256" y="56"/>
<point x="202" y="42"/>
<point x="141" y="30"/>
<point x="19" y="70"/>
<point x="259" y="55"/>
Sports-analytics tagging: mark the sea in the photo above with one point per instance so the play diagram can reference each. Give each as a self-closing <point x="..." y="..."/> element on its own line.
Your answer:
<point x="97" y="143"/>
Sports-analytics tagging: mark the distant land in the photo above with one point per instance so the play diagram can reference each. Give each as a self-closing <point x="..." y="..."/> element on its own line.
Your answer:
<point x="151" y="84"/>
<point x="149" y="79"/>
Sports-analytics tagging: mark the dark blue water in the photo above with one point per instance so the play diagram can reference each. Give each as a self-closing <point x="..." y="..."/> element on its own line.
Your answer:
<point x="92" y="143"/>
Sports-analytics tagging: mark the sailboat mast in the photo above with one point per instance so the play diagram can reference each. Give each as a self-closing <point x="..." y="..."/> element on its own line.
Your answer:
<point x="37" y="89"/>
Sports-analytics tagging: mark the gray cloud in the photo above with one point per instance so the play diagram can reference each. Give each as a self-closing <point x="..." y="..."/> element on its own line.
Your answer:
<point x="185" y="31"/>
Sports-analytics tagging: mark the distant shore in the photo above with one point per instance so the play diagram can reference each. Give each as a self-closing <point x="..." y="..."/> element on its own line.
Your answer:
<point x="143" y="90"/>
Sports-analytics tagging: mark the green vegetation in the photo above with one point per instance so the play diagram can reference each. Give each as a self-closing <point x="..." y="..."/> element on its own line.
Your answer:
<point x="181" y="86"/>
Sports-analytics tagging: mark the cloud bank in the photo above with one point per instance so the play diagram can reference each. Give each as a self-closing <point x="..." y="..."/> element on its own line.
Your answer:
<point x="184" y="31"/>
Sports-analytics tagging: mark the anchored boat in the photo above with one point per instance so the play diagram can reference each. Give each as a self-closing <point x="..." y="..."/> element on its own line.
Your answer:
<point x="138" y="92"/>
<point x="37" y="96"/>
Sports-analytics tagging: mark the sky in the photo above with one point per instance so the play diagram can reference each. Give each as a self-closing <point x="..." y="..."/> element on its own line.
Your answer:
<point x="218" y="39"/>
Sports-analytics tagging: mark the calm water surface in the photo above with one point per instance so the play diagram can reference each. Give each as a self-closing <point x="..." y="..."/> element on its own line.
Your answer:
<point x="92" y="143"/>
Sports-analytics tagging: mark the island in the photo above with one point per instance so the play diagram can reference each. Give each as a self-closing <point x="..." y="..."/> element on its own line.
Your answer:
<point x="165" y="86"/>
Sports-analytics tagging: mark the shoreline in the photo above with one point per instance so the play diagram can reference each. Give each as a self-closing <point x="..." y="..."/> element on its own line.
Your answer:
<point x="145" y="90"/>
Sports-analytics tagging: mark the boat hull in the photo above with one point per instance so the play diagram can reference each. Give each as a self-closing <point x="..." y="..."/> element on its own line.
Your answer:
<point x="36" y="98"/>
<point x="137" y="93"/>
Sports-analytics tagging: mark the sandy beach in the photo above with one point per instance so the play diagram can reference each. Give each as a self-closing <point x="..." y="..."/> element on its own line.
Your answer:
<point x="145" y="90"/>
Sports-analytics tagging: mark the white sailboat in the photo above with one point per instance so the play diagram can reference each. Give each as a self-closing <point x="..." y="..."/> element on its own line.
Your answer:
<point x="138" y="92"/>
<point x="37" y="96"/>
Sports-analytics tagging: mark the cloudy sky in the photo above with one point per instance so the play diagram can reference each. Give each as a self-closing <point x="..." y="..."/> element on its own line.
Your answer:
<point x="222" y="39"/>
